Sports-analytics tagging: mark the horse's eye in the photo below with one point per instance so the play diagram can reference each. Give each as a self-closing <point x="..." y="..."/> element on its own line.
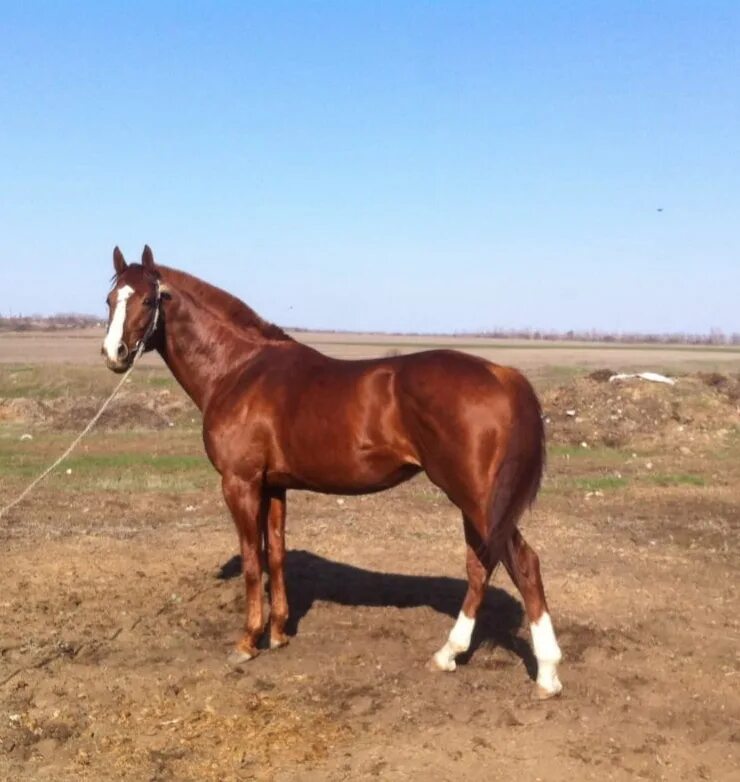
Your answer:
<point x="148" y="302"/>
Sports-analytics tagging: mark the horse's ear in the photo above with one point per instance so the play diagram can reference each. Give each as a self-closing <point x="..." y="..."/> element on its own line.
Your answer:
<point x="119" y="262"/>
<point x="147" y="260"/>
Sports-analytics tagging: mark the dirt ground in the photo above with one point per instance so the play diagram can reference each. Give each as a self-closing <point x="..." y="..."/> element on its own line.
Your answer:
<point x="121" y="597"/>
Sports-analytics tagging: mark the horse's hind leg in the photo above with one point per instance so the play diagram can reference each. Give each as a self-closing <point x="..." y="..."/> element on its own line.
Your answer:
<point x="523" y="565"/>
<point x="479" y="567"/>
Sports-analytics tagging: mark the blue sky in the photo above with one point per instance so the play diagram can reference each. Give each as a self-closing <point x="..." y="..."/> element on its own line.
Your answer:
<point x="399" y="166"/>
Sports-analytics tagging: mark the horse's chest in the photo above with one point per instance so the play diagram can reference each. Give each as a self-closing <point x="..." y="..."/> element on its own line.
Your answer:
<point x="244" y="443"/>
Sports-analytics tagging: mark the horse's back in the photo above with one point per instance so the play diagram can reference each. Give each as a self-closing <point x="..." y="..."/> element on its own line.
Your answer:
<point x="456" y="385"/>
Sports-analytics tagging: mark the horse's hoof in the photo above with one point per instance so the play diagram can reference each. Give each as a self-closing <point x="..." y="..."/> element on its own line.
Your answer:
<point x="278" y="641"/>
<point x="543" y="693"/>
<point x="238" y="657"/>
<point x="441" y="662"/>
<point x="548" y="682"/>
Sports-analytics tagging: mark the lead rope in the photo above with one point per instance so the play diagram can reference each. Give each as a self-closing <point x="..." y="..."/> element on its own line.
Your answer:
<point x="95" y="418"/>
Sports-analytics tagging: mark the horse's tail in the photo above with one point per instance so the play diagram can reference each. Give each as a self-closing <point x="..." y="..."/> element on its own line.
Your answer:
<point x="519" y="475"/>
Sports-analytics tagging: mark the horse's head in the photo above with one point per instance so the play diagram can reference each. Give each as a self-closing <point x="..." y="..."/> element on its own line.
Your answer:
<point x="133" y="310"/>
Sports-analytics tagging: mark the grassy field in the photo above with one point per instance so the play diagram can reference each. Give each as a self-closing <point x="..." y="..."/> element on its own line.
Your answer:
<point x="121" y="596"/>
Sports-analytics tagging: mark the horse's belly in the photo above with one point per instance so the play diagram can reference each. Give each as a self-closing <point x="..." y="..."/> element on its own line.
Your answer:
<point x="345" y="476"/>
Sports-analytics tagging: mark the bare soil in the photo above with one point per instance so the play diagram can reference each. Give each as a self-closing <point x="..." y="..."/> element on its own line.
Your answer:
<point x="121" y="597"/>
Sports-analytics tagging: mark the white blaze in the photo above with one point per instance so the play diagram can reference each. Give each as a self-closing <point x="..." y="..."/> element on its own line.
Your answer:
<point x="115" y="330"/>
<point x="548" y="654"/>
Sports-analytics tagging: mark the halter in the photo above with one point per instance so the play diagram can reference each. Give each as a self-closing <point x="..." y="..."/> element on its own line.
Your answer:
<point x="153" y="323"/>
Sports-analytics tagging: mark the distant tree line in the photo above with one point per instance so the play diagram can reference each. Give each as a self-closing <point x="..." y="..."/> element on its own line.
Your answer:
<point x="714" y="337"/>
<point x="47" y="323"/>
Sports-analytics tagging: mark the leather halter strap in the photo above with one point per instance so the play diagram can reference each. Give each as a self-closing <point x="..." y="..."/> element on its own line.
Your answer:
<point x="153" y="323"/>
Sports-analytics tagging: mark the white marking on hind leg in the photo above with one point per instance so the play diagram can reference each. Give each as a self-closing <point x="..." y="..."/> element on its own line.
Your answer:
<point x="115" y="330"/>
<point x="548" y="655"/>
<point x="457" y="643"/>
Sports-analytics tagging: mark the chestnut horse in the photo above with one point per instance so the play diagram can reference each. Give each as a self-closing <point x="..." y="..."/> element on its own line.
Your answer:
<point x="279" y="415"/>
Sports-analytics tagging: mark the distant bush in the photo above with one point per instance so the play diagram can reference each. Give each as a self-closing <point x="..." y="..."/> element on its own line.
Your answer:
<point x="47" y="323"/>
<point x="714" y="337"/>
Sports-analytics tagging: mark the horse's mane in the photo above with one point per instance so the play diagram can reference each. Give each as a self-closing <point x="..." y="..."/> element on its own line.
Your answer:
<point x="223" y="304"/>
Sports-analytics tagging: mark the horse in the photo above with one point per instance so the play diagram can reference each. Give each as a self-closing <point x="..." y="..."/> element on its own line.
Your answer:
<point x="280" y="415"/>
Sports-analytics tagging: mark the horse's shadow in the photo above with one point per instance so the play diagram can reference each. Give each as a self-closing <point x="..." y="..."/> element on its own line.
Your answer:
<point x="310" y="577"/>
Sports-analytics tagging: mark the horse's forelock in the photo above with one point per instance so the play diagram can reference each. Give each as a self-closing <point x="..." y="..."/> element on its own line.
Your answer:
<point x="148" y="276"/>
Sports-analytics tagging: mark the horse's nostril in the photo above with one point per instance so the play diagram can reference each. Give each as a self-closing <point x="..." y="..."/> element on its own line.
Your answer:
<point x="122" y="351"/>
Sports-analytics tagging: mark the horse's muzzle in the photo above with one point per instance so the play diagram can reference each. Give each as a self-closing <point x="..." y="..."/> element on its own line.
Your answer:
<point x="122" y="361"/>
<point x="117" y="366"/>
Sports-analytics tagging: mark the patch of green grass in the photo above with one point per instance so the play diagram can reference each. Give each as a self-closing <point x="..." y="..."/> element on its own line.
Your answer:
<point x="137" y="461"/>
<point x="599" y="454"/>
<point x="601" y="483"/>
<point x="569" y="451"/>
<point x="160" y="381"/>
<point x="17" y="382"/>
<point x="114" y="471"/>
<point x="47" y="382"/>
<point x="20" y="466"/>
<point x="48" y="444"/>
<point x="676" y="479"/>
<point x="55" y="381"/>
<point x="144" y="482"/>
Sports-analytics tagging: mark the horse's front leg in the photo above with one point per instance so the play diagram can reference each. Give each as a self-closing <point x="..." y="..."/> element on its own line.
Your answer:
<point x="276" y="561"/>
<point x="244" y="499"/>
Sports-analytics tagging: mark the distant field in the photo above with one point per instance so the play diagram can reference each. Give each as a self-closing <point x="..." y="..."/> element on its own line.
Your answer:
<point x="83" y="347"/>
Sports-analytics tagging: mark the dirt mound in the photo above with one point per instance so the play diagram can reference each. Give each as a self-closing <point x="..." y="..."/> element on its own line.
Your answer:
<point x="23" y="410"/>
<point x="121" y="415"/>
<point x="130" y="410"/>
<point x="729" y="385"/>
<point x="637" y="412"/>
<point x="602" y="375"/>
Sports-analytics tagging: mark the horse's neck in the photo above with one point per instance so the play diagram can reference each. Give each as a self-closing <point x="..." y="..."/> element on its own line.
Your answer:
<point x="200" y="347"/>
